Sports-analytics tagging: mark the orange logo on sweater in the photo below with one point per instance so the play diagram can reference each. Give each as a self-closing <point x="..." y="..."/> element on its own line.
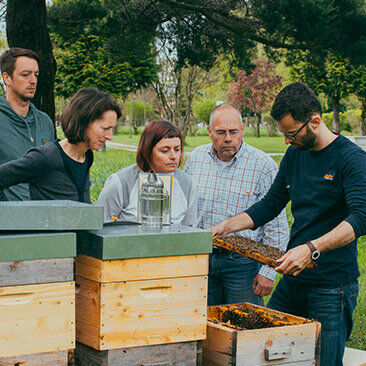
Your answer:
<point x="328" y="176"/>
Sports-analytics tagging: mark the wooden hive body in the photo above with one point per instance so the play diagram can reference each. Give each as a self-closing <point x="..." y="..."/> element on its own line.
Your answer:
<point x="141" y="301"/>
<point x="296" y="344"/>
<point x="37" y="298"/>
<point x="177" y="354"/>
<point x="140" y="286"/>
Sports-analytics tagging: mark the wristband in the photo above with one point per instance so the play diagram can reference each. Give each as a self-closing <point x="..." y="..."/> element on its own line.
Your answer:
<point x="315" y="254"/>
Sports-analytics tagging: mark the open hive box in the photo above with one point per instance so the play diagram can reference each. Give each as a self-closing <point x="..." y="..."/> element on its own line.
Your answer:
<point x="250" y="335"/>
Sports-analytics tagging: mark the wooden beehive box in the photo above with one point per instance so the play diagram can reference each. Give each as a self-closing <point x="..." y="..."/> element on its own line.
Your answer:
<point x="296" y="344"/>
<point x="177" y="354"/>
<point x="37" y="318"/>
<point x="37" y="296"/>
<point x="139" y="287"/>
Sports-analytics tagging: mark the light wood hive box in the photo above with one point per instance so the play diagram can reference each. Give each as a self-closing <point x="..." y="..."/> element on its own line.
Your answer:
<point x="37" y="288"/>
<point x="297" y="345"/>
<point x="37" y="297"/>
<point x="141" y="288"/>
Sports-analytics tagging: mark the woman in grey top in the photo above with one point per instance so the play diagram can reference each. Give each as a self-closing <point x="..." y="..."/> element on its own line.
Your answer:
<point x="59" y="170"/>
<point x="160" y="150"/>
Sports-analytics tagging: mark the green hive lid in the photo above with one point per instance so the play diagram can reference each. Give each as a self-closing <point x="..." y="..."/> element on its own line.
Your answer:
<point x="135" y="241"/>
<point x="21" y="247"/>
<point x="50" y="215"/>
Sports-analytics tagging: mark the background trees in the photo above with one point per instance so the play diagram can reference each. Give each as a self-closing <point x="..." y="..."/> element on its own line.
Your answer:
<point x="328" y="74"/>
<point x="359" y="88"/>
<point x="114" y="44"/>
<point x="256" y="90"/>
<point x="94" y="47"/>
<point x="26" y="27"/>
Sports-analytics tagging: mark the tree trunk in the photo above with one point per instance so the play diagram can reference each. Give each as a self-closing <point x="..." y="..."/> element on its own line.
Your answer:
<point x="363" y="118"/>
<point x="257" y="132"/>
<point x="26" y="27"/>
<point x="136" y="128"/>
<point x="336" y="114"/>
<point x="144" y="107"/>
<point x="271" y="131"/>
<point x="131" y="117"/>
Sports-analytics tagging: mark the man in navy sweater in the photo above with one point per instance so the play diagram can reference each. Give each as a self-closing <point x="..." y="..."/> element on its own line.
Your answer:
<point x="324" y="177"/>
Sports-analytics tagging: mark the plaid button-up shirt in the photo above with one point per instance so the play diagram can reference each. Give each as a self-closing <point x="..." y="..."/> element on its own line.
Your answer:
<point x="226" y="189"/>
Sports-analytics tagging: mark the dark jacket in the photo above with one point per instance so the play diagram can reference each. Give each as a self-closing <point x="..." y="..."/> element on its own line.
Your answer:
<point x="43" y="168"/>
<point x="17" y="136"/>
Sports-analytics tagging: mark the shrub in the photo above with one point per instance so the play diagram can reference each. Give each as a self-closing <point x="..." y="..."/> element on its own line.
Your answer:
<point x="202" y="109"/>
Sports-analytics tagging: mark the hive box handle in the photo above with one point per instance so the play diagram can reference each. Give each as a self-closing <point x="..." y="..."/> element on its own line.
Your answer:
<point x="16" y="299"/>
<point x="156" y="291"/>
<point x="276" y="353"/>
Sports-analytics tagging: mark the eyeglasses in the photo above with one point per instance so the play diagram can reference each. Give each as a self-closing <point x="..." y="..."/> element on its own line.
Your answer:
<point x="292" y="135"/>
<point x="223" y="133"/>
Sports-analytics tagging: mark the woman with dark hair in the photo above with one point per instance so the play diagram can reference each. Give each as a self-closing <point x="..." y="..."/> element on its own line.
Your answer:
<point x="59" y="170"/>
<point x="160" y="150"/>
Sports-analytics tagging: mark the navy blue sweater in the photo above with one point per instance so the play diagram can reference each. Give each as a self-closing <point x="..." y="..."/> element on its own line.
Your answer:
<point x="325" y="187"/>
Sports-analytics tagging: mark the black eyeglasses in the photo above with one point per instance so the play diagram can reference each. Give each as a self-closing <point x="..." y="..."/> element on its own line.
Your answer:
<point x="292" y="135"/>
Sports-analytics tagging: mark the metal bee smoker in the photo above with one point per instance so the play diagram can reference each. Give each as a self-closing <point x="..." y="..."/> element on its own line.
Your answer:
<point x="153" y="202"/>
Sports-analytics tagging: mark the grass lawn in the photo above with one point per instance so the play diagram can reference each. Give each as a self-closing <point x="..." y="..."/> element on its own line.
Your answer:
<point x="114" y="160"/>
<point x="358" y="336"/>
<point x="268" y="144"/>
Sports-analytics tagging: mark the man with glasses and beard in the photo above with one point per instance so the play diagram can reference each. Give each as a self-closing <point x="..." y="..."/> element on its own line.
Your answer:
<point x="23" y="126"/>
<point x="324" y="176"/>
<point x="230" y="176"/>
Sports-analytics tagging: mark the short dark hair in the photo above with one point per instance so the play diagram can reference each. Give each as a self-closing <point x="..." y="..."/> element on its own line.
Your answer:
<point x="86" y="106"/>
<point x="8" y="58"/>
<point x="152" y="134"/>
<point x="298" y="100"/>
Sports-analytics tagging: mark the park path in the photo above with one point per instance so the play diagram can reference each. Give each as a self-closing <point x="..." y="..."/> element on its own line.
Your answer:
<point x="133" y="148"/>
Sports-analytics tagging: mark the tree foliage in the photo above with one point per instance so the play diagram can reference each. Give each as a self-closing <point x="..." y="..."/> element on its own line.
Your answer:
<point x="255" y="90"/>
<point x="26" y="27"/>
<point x="338" y="26"/>
<point x="84" y="63"/>
<point x="329" y="74"/>
<point x="95" y="48"/>
<point x="202" y="109"/>
<point x="138" y="113"/>
<point x="359" y="88"/>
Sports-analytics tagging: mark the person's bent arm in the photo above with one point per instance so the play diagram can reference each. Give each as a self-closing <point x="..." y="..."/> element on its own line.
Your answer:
<point x="236" y="223"/>
<point x="296" y="259"/>
<point x="23" y="170"/>
<point x="351" y="228"/>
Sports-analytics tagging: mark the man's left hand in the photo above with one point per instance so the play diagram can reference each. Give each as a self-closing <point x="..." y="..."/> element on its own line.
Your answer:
<point x="294" y="261"/>
<point x="262" y="286"/>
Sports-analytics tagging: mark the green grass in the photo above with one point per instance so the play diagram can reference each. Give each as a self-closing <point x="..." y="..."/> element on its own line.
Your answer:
<point x="358" y="336"/>
<point x="106" y="163"/>
<point x="114" y="160"/>
<point x="267" y="144"/>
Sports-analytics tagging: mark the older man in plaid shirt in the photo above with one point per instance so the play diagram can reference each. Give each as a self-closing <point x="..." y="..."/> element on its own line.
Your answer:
<point x="231" y="176"/>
